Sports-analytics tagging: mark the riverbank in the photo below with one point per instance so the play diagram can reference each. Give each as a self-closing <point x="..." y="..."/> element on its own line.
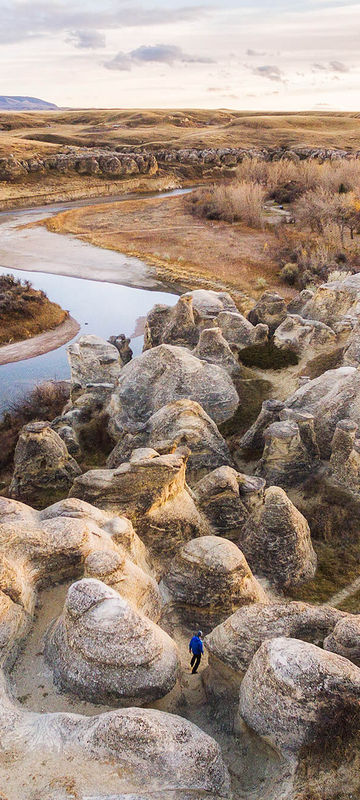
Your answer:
<point x="38" y="345"/>
<point x="181" y="249"/>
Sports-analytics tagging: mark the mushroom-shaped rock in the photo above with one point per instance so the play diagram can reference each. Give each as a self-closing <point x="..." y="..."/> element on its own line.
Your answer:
<point x="151" y="490"/>
<point x="269" y="310"/>
<point x="118" y="571"/>
<point x="209" y="578"/>
<point x="278" y="543"/>
<point x="303" y="336"/>
<point x="181" y="325"/>
<point x="42" y="465"/>
<point x="232" y="644"/>
<point x="162" y="375"/>
<point x="104" y="650"/>
<point x="333" y="396"/>
<point x="93" y="360"/>
<point x="287" y="459"/>
<point x="296" y="694"/>
<point x="182" y="422"/>
<point x="227" y="497"/>
<point x="239" y="332"/>
<point x="345" y="639"/>
<point x="212" y="347"/>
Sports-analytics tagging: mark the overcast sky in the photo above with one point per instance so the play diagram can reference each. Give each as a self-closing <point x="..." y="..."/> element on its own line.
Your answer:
<point x="264" y="54"/>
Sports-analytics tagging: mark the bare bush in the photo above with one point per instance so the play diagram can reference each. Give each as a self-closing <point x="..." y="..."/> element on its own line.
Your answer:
<point x="45" y="402"/>
<point x="235" y="202"/>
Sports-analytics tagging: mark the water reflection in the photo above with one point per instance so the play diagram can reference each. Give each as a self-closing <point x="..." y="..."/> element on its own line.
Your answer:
<point x="100" y="308"/>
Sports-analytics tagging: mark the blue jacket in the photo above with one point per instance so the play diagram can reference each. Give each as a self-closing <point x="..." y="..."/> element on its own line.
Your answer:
<point x="196" y="646"/>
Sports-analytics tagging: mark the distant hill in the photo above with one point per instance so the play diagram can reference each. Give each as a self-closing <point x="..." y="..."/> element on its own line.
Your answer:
<point x="14" y="103"/>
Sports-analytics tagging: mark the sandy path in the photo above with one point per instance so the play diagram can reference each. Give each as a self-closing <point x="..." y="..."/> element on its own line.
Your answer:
<point x="38" y="345"/>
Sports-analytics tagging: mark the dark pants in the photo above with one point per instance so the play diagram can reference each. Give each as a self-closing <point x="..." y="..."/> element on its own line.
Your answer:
<point x="194" y="663"/>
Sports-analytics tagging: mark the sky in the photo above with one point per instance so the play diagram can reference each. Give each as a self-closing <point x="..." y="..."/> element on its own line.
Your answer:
<point x="260" y="55"/>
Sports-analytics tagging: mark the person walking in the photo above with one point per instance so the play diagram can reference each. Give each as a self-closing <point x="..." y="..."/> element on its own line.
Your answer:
<point x="196" y="647"/>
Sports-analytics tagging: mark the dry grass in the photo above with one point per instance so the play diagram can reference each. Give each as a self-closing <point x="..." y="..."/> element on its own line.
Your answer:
<point x="25" y="312"/>
<point x="183" y="249"/>
<point x="46" y="401"/>
<point x="236" y="202"/>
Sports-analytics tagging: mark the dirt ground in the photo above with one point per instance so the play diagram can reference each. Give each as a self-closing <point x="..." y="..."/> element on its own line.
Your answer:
<point x="37" y="345"/>
<point x="181" y="248"/>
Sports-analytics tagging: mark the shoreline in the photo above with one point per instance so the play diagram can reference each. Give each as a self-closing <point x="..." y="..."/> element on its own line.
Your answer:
<point x="40" y="344"/>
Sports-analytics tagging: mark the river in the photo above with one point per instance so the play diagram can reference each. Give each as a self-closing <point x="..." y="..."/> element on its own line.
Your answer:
<point x="112" y="291"/>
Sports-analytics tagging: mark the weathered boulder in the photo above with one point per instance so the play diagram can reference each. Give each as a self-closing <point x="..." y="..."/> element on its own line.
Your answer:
<point x="106" y="651"/>
<point x="290" y="450"/>
<point x="151" y="490"/>
<point x="345" y="455"/>
<point x="239" y="332"/>
<point x="122" y="344"/>
<point x="182" y="323"/>
<point x="333" y="300"/>
<point x="43" y="467"/>
<point x="227" y="498"/>
<point x="118" y="571"/>
<point x="93" y="360"/>
<point x="212" y="347"/>
<point x="333" y="396"/>
<point x="165" y="374"/>
<point x="208" y="579"/>
<point x="182" y="422"/>
<point x="253" y="440"/>
<point x="344" y="639"/>
<point x="269" y="310"/>
<point x="11" y="169"/>
<point x="296" y="694"/>
<point x="119" y="752"/>
<point x="304" y="337"/>
<point x="232" y="645"/>
<point x="277" y="543"/>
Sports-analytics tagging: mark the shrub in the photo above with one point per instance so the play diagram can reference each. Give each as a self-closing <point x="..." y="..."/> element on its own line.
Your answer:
<point x="45" y="401"/>
<point x="290" y="273"/>
<point x="234" y="202"/>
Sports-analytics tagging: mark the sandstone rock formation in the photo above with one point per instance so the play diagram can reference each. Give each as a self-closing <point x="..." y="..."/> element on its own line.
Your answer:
<point x="93" y="360"/>
<point x="182" y="422"/>
<point x="165" y="374"/>
<point x="43" y="467"/>
<point x="104" y="650"/>
<point x="333" y="300"/>
<point x="269" y="310"/>
<point x="335" y="395"/>
<point x="89" y="161"/>
<point x="344" y="639"/>
<point x="212" y="347"/>
<point x="277" y="542"/>
<point x="239" y="332"/>
<point x="119" y="572"/>
<point x="296" y="694"/>
<point x="290" y="449"/>
<point x="227" y="498"/>
<point x="304" y="337"/>
<point x="151" y="490"/>
<point x="208" y="579"/>
<point x="122" y="344"/>
<point x="253" y="440"/>
<point x="182" y="323"/>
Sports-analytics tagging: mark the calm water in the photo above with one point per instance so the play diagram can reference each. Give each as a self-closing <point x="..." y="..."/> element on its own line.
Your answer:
<point x="100" y="308"/>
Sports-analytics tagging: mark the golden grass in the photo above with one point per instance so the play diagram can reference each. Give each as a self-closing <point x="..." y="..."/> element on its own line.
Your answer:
<point x="182" y="249"/>
<point x="38" y="315"/>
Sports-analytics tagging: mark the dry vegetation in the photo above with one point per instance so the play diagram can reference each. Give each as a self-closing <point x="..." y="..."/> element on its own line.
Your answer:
<point x="45" y="401"/>
<point x="323" y="203"/>
<point x="24" y="311"/>
<point x="30" y="132"/>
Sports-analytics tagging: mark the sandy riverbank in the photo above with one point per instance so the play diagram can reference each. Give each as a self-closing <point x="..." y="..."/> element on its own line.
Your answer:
<point x="38" y="345"/>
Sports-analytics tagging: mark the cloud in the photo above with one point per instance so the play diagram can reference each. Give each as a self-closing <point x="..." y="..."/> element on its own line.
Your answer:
<point x="251" y="52"/>
<point x="150" y="54"/>
<point x="21" y="19"/>
<point x="91" y="40"/>
<point x="272" y="72"/>
<point x="332" y="66"/>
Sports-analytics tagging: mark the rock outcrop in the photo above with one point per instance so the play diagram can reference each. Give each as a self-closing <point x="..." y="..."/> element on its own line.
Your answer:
<point x="182" y="323"/>
<point x="277" y="542"/>
<point x="296" y="694"/>
<point x="43" y="467"/>
<point x="212" y="347"/>
<point x="227" y="498"/>
<point x="239" y="332"/>
<point x="104" y="650"/>
<point x="93" y="360"/>
<point x="344" y="639"/>
<point x="119" y="572"/>
<point x="87" y="162"/>
<point x="269" y="310"/>
<point x="208" y="579"/>
<point x="304" y="337"/>
<point x="165" y="374"/>
<point x="182" y="422"/>
<point x="290" y="453"/>
<point x="151" y="490"/>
